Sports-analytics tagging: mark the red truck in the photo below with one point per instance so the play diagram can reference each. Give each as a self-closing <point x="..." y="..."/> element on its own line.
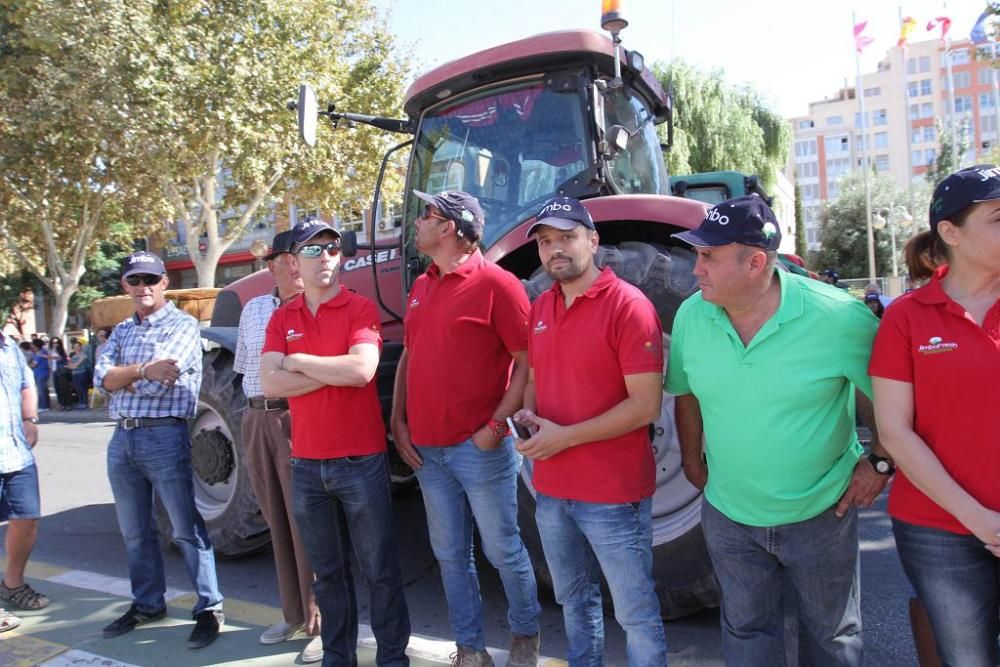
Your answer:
<point x="571" y="113"/>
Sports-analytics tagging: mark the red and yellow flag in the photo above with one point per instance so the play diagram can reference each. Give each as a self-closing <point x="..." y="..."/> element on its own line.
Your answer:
<point x="905" y="28"/>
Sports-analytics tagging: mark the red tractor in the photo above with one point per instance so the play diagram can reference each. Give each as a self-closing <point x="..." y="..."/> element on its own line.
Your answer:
<point x="569" y="113"/>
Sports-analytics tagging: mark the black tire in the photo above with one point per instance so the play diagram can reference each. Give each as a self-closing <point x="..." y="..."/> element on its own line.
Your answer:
<point x="222" y="487"/>
<point x="685" y="582"/>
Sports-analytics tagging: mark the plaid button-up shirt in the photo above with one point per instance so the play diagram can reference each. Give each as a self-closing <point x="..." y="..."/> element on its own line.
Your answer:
<point x="168" y="333"/>
<point x="15" y="376"/>
<point x="250" y="341"/>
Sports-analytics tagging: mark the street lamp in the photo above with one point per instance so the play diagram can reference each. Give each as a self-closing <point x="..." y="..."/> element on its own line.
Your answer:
<point x="894" y="216"/>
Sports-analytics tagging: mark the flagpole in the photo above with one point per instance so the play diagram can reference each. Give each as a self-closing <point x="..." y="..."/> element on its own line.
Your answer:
<point x="908" y="135"/>
<point x="859" y="93"/>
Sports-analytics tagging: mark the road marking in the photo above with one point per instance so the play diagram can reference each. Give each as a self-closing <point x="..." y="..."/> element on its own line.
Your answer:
<point x="428" y="648"/>
<point x="17" y="650"/>
<point x="77" y="658"/>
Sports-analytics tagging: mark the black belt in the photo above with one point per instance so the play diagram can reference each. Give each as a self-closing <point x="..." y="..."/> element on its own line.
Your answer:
<point x="129" y="423"/>
<point x="268" y="403"/>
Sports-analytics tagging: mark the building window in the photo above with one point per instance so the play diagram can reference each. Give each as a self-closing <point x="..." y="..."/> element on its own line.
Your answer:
<point x="958" y="57"/>
<point x="812" y="235"/>
<point x="805" y="147"/>
<point x="832" y="190"/>
<point x="988" y="124"/>
<point x="873" y="92"/>
<point x="915" y="135"/>
<point x="924" y="110"/>
<point x="857" y="119"/>
<point x="985" y="76"/>
<point x="912" y="89"/>
<point x="930" y="133"/>
<point x="834" y="120"/>
<point x="925" y="64"/>
<point x="806" y="170"/>
<point x="881" y="140"/>
<point x="925" y="86"/>
<point x="806" y="124"/>
<point x="959" y="80"/>
<point x="881" y="117"/>
<point x="837" y="144"/>
<point x="987" y="101"/>
<point x="882" y="162"/>
<point x="963" y="104"/>
<point x="809" y="191"/>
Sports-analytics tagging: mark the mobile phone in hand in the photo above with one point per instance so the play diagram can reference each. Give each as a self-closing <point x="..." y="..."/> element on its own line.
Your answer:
<point x="520" y="432"/>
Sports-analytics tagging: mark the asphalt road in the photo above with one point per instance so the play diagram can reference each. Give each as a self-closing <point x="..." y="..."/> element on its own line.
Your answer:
<point x="80" y="531"/>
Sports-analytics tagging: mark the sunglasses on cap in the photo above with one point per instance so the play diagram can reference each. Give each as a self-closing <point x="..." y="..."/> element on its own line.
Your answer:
<point x="143" y="279"/>
<point x="314" y="250"/>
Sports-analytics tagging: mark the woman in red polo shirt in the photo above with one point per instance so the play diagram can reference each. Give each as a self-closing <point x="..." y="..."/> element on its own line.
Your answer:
<point x="935" y="368"/>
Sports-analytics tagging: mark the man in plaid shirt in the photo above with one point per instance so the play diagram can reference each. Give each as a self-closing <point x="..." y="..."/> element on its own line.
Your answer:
<point x="151" y="367"/>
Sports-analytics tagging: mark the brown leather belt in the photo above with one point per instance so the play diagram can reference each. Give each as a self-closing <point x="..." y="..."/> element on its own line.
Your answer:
<point x="129" y="423"/>
<point x="268" y="404"/>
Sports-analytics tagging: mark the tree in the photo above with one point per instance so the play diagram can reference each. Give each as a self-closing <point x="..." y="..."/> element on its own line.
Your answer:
<point x="216" y="132"/>
<point x="944" y="163"/>
<point x="66" y="167"/>
<point x="801" y="247"/>
<point x="844" y="232"/>
<point x="719" y="126"/>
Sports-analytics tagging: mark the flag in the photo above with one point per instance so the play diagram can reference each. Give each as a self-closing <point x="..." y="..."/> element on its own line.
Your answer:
<point x="905" y="28"/>
<point x="943" y="21"/>
<point x="861" y="41"/>
<point x="978" y="34"/>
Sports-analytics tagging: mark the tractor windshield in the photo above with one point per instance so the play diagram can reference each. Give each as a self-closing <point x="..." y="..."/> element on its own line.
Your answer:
<point x="511" y="146"/>
<point x="639" y="169"/>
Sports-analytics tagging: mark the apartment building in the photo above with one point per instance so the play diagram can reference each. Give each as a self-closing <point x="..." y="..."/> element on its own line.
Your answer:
<point x="903" y="101"/>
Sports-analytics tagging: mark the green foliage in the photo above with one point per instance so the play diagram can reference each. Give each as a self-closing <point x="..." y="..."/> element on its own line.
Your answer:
<point x="721" y="126"/>
<point x="801" y="247"/>
<point x="944" y="163"/>
<point x="844" y="231"/>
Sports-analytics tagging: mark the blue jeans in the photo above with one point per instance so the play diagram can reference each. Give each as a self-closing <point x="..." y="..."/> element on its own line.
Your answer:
<point x="144" y="460"/>
<point x="340" y="503"/>
<point x="42" y="387"/>
<point x="819" y="557"/>
<point x="462" y="484"/>
<point x="583" y="540"/>
<point x="959" y="583"/>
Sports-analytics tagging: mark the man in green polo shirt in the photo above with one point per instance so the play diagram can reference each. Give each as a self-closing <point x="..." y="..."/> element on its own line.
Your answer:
<point x="765" y="365"/>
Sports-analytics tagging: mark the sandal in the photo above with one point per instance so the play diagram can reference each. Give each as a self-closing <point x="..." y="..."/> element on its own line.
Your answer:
<point x="23" y="597"/>
<point x="8" y="621"/>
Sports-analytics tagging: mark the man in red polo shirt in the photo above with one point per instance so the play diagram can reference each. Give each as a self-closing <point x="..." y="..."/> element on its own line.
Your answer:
<point x="466" y="326"/>
<point x="321" y="352"/>
<point x="595" y="384"/>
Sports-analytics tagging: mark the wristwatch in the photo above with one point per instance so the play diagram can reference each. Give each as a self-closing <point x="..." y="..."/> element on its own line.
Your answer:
<point x="499" y="428"/>
<point x="882" y="465"/>
<point x="33" y="420"/>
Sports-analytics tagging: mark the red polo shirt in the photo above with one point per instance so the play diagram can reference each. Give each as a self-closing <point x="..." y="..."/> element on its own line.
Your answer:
<point x="929" y="341"/>
<point x="461" y="329"/>
<point x="580" y="357"/>
<point x="330" y="422"/>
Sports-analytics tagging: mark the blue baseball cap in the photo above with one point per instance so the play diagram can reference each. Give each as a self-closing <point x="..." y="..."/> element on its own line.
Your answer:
<point x="142" y="262"/>
<point x="747" y="220"/>
<point x="563" y="213"/>
<point x="306" y="230"/>
<point x="964" y="188"/>
<point x="461" y="208"/>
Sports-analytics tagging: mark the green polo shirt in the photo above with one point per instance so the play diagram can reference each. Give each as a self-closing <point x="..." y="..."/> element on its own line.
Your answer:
<point x="778" y="413"/>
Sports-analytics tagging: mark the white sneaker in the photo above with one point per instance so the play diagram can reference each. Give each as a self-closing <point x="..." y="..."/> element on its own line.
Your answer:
<point x="313" y="652"/>
<point x="279" y="632"/>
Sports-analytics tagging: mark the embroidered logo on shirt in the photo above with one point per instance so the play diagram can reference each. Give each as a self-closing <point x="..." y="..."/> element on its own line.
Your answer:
<point x="414" y="302"/>
<point x="648" y="346"/>
<point x="293" y="335"/>
<point x="540" y="327"/>
<point x="935" y="345"/>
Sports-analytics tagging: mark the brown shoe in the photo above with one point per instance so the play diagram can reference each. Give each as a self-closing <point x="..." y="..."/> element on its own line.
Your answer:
<point x="470" y="657"/>
<point x="523" y="651"/>
<point x="23" y="597"/>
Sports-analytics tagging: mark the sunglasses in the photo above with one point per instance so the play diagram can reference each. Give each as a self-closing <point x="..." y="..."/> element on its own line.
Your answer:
<point x="428" y="213"/>
<point x="143" y="279"/>
<point x="314" y="250"/>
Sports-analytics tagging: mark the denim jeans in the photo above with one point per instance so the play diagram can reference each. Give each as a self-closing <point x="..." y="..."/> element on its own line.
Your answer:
<point x="144" y="460"/>
<point x="959" y="583"/>
<point x="462" y="484"/>
<point x="339" y="504"/>
<point x="819" y="557"/>
<point x="583" y="540"/>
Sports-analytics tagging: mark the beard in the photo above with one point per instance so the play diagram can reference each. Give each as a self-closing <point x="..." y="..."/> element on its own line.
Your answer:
<point x="567" y="271"/>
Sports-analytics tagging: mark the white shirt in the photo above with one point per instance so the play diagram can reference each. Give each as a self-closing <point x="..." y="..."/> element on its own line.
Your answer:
<point x="250" y="340"/>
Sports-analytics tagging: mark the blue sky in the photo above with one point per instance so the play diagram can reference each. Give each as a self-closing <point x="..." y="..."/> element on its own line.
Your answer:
<point x="794" y="52"/>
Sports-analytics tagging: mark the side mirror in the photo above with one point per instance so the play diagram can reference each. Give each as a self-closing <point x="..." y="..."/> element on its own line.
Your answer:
<point x="618" y="137"/>
<point x="308" y="114"/>
<point x="348" y="244"/>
